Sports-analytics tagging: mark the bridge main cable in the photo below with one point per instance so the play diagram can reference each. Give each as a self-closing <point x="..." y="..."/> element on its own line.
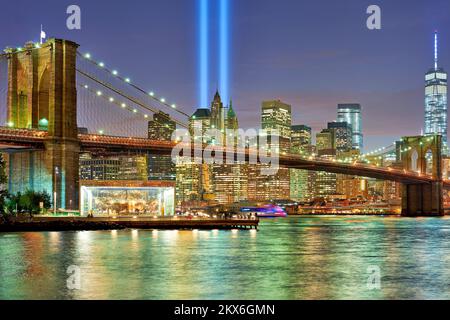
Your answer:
<point x="172" y="107"/>
<point x="135" y="101"/>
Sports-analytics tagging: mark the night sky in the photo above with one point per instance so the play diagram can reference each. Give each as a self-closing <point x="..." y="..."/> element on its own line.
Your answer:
<point x="311" y="54"/>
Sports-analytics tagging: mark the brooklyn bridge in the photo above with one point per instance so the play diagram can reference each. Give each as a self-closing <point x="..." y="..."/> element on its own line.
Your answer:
<point x="42" y="85"/>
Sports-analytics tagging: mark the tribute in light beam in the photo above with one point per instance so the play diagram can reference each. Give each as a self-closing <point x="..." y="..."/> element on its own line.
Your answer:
<point x="224" y="49"/>
<point x="203" y="52"/>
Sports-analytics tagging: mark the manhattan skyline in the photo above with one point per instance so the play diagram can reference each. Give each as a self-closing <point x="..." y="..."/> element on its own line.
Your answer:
<point x="312" y="71"/>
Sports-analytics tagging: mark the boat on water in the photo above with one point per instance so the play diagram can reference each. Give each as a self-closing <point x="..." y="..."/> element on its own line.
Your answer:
<point x="265" y="211"/>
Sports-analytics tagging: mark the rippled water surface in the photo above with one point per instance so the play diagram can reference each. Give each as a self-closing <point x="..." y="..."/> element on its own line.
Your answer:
<point x="293" y="258"/>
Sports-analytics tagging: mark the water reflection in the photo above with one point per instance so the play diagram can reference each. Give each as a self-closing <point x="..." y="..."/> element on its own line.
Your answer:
<point x="294" y="258"/>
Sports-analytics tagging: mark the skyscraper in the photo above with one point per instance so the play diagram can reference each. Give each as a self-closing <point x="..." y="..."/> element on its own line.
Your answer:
<point x="342" y="136"/>
<point x="351" y="113"/>
<point x="193" y="180"/>
<point x="275" y="117"/>
<point x="436" y="99"/>
<point x="217" y="113"/>
<point x="302" y="181"/>
<point x="229" y="179"/>
<point x="325" y="182"/>
<point x="161" y="128"/>
<point x="300" y="138"/>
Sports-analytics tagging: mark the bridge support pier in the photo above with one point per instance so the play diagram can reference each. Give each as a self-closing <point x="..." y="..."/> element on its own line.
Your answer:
<point x="422" y="200"/>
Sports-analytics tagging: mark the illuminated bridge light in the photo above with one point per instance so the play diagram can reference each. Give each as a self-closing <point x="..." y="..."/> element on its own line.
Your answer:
<point x="114" y="72"/>
<point x="151" y="93"/>
<point x="101" y="64"/>
<point x="87" y="55"/>
<point x="99" y="93"/>
<point x="111" y="99"/>
<point x="123" y="105"/>
<point x="127" y="80"/>
<point x="163" y="100"/>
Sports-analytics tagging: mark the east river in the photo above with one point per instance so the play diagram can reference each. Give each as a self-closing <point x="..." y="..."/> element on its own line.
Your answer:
<point x="293" y="258"/>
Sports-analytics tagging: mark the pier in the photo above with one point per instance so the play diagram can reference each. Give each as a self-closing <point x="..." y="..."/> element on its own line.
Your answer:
<point x="45" y="223"/>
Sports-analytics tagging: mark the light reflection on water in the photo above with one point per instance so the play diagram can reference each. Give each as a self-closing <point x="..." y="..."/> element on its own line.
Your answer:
<point x="293" y="258"/>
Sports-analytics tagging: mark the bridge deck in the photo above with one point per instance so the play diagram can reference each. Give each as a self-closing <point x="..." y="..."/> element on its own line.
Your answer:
<point x="24" y="138"/>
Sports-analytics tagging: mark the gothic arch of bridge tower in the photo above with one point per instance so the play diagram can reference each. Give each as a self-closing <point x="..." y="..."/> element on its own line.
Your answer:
<point x="42" y="88"/>
<point x="423" y="155"/>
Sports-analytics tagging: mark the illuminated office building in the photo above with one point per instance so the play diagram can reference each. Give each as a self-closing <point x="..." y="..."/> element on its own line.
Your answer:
<point x="325" y="182"/>
<point x="193" y="180"/>
<point x="352" y="187"/>
<point x="436" y="100"/>
<point x="351" y="113"/>
<point x="300" y="138"/>
<point x="342" y="136"/>
<point x="113" y="168"/>
<point x="325" y="142"/>
<point x="230" y="180"/>
<point x="302" y="182"/>
<point x="218" y="183"/>
<point x="161" y="128"/>
<point x="275" y="118"/>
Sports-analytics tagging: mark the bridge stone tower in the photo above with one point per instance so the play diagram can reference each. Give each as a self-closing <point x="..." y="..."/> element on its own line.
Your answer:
<point x="423" y="154"/>
<point x="42" y="95"/>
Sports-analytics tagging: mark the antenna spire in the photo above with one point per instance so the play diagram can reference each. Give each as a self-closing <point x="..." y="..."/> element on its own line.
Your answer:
<point x="436" y="50"/>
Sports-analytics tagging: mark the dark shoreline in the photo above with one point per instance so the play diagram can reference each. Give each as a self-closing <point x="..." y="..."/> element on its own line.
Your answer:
<point x="59" y="226"/>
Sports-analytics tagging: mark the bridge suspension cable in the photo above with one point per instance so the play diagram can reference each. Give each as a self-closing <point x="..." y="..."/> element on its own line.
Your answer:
<point x="151" y="94"/>
<point x="122" y="94"/>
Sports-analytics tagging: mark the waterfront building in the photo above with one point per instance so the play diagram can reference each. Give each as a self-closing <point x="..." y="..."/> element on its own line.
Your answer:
<point x="436" y="100"/>
<point x="352" y="187"/>
<point x="351" y="113"/>
<point x="113" y="168"/>
<point x="124" y="200"/>
<point x="161" y="128"/>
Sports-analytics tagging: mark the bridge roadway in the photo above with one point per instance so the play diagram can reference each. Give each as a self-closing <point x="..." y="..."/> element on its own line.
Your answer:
<point x="25" y="139"/>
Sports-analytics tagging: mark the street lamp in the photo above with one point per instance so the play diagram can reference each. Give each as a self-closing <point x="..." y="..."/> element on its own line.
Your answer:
<point x="54" y="190"/>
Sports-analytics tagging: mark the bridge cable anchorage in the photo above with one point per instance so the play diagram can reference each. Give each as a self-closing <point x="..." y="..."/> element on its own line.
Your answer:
<point x="120" y="93"/>
<point x="126" y="80"/>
